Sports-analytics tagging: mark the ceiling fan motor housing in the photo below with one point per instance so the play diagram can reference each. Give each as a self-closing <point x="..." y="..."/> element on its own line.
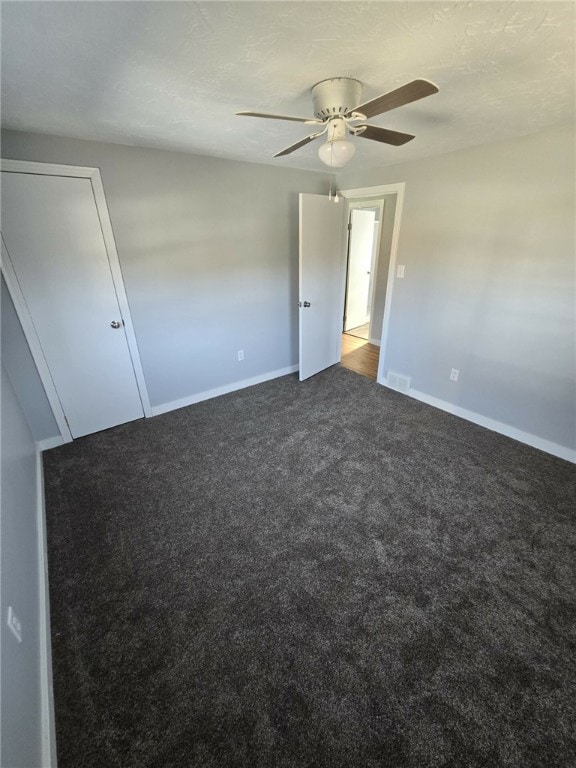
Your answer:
<point x="335" y="97"/>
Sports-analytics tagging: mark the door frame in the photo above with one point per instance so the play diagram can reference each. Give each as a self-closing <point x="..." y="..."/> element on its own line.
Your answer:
<point x="382" y="191"/>
<point x="93" y="175"/>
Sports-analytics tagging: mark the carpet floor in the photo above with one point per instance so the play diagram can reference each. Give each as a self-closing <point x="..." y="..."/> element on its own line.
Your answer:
<point x="311" y="575"/>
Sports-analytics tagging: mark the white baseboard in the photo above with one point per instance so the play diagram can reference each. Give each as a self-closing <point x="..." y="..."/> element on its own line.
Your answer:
<point x="208" y="394"/>
<point x="49" y="442"/>
<point x="496" y="426"/>
<point x="376" y="342"/>
<point x="48" y="734"/>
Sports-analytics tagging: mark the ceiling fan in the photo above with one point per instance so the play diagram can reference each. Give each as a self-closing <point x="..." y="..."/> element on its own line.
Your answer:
<point x="336" y="115"/>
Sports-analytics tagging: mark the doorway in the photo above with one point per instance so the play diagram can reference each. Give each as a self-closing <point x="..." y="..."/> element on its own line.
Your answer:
<point x="323" y="252"/>
<point x="370" y="229"/>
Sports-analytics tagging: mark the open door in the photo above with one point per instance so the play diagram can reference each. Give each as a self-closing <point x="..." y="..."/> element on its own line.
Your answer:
<point x="321" y="282"/>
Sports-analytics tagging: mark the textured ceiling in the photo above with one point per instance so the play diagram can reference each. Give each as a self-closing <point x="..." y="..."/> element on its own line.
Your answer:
<point x="173" y="74"/>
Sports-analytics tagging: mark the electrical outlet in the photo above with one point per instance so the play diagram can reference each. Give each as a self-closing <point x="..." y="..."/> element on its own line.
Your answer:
<point x="400" y="270"/>
<point x="454" y="373"/>
<point x="14" y="624"/>
<point x="240" y="355"/>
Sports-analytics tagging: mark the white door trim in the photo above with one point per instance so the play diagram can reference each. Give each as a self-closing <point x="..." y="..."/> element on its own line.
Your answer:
<point x="93" y="175"/>
<point x="380" y="191"/>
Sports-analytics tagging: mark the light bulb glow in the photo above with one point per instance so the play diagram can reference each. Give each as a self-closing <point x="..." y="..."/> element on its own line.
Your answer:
<point x="336" y="153"/>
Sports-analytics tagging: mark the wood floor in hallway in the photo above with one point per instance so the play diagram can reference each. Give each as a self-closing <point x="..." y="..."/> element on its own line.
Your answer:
<point x="362" y="331"/>
<point x="359" y="356"/>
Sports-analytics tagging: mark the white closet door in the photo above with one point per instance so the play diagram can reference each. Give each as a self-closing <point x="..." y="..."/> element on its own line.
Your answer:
<point x="52" y="233"/>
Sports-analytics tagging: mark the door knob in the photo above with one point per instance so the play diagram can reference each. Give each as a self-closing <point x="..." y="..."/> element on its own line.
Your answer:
<point x="306" y="303"/>
<point x="116" y="324"/>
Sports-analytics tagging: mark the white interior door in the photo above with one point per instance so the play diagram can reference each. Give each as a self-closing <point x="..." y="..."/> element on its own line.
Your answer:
<point x="321" y="289"/>
<point x="52" y="233"/>
<point x="360" y="251"/>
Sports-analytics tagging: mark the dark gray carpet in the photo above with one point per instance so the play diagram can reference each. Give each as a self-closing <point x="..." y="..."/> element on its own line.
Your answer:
<point x="314" y="575"/>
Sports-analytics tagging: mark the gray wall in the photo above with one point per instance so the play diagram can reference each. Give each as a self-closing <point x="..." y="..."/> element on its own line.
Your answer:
<point x="208" y="249"/>
<point x="23" y="373"/>
<point x="487" y="237"/>
<point x="20" y="684"/>
<point x="209" y="253"/>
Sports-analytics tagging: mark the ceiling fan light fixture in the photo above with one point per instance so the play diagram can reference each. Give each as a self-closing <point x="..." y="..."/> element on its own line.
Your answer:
<point x="334" y="114"/>
<point x="336" y="153"/>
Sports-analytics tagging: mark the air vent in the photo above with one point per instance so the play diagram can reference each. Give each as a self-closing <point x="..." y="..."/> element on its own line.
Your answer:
<point x="398" y="381"/>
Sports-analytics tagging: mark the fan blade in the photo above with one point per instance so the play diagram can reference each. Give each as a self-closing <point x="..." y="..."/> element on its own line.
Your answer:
<point x="302" y="143"/>
<point x="310" y="120"/>
<point x="413" y="91"/>
<point x="384" y="135"/>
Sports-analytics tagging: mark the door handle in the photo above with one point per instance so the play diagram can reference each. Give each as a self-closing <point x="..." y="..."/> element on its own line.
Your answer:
<point x="306" y="303"/>
<point x="116" y="324"/>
